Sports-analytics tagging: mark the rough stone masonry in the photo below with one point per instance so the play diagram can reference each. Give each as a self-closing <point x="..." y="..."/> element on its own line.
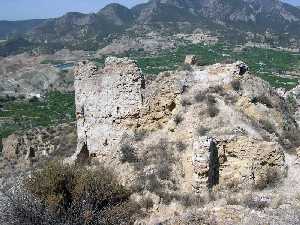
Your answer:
<point x="112" y="103"/>
<point x="107" y="101"/>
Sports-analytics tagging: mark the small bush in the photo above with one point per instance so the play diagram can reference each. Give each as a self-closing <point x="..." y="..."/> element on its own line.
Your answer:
<point x="232" y="200"/>
<point x="151" y="183"/>
<point x="293" y="135"/>
<point x="230" y="99"/>
<point x="128" y="154"/>
<point x="188" y="200"/>
<point x="213" y="111"/>
<point x="202" y="131"/>
<point x="34" y="99"/>
<point x="255" y="202"/>
<point x="180" y="146"/>
<point x="164" y="171"/>
<point x="270" y="178"/>
<point x="200" y="96"/>
<point x="184" y="88"/>
<point x="263" y="100"/>
<point x="178" y="119"/>
<point x="217" y="89"/>
<point x="211" y="100"/>
<point x="185" y="102"/>
<point x="268" y="126"/>
<point x="292" y="103"/>
<point x="146" y="203"/>
<point x="139" y="135"/>
<point x="236" y="85"/>
<point x="60" y="194"/>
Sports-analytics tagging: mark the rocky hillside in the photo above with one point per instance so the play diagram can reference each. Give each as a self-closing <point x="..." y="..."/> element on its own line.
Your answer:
<point x="204" y="128"/>
<point x="8" y="28"/>
<point x="250" y="14"/>
<point x="91" y="31"/>
<point x="199" y="145"/>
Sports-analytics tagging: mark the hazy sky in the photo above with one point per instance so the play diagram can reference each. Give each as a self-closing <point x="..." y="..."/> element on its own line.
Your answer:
<point x="28" y="9"/>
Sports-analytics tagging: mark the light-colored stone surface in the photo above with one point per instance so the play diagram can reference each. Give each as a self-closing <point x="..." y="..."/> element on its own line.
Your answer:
<point x="190" y="60"/>
<point x="107" y="102"/>
<point x="113" y="104"/>
<point x="39" y="143"/>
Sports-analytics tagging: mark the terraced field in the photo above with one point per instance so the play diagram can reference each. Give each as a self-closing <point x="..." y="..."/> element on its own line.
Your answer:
<point x="56" y="108"/>
<point x="271" y="65"/>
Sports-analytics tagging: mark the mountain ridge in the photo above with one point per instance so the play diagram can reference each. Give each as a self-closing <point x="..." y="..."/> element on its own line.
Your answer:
<point x="87" y="31"/>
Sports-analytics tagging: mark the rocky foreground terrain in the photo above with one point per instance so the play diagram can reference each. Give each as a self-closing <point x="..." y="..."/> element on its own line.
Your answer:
<point x="200" y="145"/>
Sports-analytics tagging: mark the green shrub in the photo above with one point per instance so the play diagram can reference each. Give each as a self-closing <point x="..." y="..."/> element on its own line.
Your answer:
<point x="200" y="96"/>
<point x="185" y="102"/>
<point x="189" y="200"/>
<point x="268" y="126"/>
<point x="236" y="85"/>
<point x="292" y="103"/>
<point x="139" y="135"/>
<point x="253" y="202"/>
<point x="146" y="203"/>
<point x="263" y="100"/>
<point x="160" y="157"/>
<point x="202" y="131"/>
<point x="34" y="99"/>
<point x="180" y="146"/>
<point x="216" y="89"/>
<point x="212" y="109"/>
<point x="128" y="154"/>
<point x="61" y="194"/>
<point x="211" y="100"/>
<point x="178" y="119"/>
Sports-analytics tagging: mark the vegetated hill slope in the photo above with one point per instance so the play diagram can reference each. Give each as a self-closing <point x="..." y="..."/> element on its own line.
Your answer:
<point x="252" y="15"/>
<point x="8" y="28"/>
<point x="249" y="15"/>
<point x="89" y="31"/>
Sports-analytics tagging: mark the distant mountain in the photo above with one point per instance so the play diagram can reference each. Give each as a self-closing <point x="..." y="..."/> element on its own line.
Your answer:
<point x="83" y="30"/>
<point x="9" y="28"/>
<point x="252" y="15"/>
<point x="89" y="31"/>
<point x="117" y="14"/>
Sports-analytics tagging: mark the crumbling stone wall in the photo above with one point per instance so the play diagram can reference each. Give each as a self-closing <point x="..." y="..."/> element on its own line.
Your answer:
<point x="236" y="162"/>
<point x="205" y="163"/>
<point x="108" y="103"/>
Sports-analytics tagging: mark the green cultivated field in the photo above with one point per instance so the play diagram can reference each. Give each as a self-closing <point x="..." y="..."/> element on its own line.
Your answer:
<point x="268" y="64"/>
<point x="59" y="107"/>
<point x="56" y="108"/>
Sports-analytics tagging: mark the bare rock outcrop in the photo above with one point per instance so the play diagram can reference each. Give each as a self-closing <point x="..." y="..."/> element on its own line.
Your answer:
<point x="108" y="104"/>
<point x="198" y="128"/>
<point x="190" y="60"/>
<point x="38" y="143"/>
<point x="235" y="162"/>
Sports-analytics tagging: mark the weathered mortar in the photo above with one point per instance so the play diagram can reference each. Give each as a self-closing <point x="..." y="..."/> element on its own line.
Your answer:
<point x="108" y="102"/>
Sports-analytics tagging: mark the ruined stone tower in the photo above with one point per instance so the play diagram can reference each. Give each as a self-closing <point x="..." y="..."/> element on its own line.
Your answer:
<point x="108" y="103"/>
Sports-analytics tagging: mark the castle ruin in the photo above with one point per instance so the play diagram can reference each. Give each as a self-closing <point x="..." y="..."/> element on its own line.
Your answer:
<point x="106" y="99"/>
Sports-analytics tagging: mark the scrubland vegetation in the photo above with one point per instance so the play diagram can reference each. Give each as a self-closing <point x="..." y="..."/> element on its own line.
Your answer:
<point x="62" y="194"/>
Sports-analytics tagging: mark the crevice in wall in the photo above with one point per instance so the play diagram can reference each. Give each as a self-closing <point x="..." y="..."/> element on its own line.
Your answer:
<point x="214" y="165"/>
<point x="84" y="156"/>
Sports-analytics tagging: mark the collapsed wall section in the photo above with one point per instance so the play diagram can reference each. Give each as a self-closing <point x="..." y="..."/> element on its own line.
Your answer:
<point x="107" y="101"/>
